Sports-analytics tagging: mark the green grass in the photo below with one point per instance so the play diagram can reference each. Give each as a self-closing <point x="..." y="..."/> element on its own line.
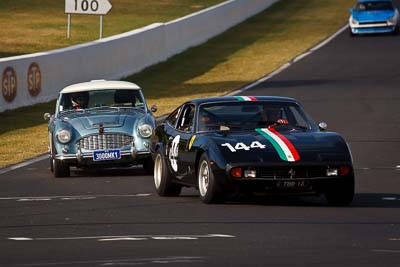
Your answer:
<point x="28" y="26"/>
<point x="231" y="60"/>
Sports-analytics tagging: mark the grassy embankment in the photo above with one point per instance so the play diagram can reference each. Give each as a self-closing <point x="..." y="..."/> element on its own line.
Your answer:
<point x="239" y="56"/>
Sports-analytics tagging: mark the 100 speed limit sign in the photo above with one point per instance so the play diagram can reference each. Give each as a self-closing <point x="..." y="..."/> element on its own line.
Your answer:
<point x="89" y="7"/>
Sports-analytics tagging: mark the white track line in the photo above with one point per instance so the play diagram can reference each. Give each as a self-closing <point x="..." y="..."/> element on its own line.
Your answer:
<point x="76" y="197"/>
<point x="123" y="237"/>
<point x="23" y="164"/>
<point x="287" y="65"/>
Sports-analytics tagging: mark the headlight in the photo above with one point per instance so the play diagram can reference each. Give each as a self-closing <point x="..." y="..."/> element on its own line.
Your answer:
<point x="392" y="20"/>
<point x="354" y="21"/>
<point x="64" y="136"/>
<point x="145" y="130"/>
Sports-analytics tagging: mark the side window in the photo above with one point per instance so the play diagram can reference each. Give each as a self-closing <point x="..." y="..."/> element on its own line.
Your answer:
<point x="186" y="119"/>
<point x="173" y="117"/>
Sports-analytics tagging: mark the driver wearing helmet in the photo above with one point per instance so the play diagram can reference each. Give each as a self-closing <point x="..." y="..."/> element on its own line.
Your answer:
<point x="79" y="100"/>
<point x="273" y="115"/>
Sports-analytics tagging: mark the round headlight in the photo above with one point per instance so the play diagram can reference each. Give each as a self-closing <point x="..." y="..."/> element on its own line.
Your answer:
<point x="354" y="21"/>
<point x="145" y="130"/>
<point x="392" y="20"/>
<point x="64" y="136"/>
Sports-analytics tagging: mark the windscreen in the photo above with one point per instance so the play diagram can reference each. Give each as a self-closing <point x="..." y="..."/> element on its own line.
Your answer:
<point x="101" y="98"/>
<point x="374" y="6"/>
<point x="250" y="115"/>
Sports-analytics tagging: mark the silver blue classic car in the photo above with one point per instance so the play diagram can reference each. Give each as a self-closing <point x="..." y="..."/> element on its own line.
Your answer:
<point x="100" y="124"/>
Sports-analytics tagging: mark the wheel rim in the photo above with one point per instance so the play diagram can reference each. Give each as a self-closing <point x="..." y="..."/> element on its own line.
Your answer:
<point x="157" y="171"/>
<point x="204" y="178"/>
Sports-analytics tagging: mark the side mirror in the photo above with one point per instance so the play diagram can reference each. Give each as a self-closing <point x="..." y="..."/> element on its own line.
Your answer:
<point x="323" y="126"/>
<point x="46" y="116"/>
<point x="153" y="108"/>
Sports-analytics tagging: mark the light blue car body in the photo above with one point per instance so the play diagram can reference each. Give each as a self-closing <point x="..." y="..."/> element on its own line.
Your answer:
<point x="111" y="131"/>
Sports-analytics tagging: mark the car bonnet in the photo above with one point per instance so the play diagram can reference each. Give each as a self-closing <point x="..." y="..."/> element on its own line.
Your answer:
<point x="269" y="147"/>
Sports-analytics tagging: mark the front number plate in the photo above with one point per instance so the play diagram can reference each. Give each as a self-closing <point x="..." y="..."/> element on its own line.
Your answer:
<point x="106" y="155"/>
<point x="293" y="184"/>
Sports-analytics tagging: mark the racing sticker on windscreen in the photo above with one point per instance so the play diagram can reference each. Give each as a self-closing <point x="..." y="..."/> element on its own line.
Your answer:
<point x="282" y="145"/>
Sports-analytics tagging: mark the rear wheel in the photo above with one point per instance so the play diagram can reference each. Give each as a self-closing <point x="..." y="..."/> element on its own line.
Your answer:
<point x="163" y="183"/>
<point x="340" y="193"/>
<point x="210" y="191"/>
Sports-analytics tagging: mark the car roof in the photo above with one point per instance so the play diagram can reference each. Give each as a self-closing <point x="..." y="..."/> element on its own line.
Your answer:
<point x="100" y="85"/>
<point x="240" y="98"/>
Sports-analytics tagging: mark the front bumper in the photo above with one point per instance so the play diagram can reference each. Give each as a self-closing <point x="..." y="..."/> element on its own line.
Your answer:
<point x="372" y="27"/>
<point x="283" y="178"/>
<point x="84" y="159"/>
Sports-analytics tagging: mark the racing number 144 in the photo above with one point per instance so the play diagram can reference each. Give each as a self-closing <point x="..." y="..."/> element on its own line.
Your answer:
<point x="243" y="146"/>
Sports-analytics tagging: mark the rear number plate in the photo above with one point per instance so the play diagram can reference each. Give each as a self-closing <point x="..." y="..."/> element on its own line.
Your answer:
<point x="106" y="155"/>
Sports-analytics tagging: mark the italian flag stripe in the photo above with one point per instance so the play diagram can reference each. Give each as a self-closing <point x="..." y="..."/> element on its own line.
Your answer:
<point x="288" y="144"/>
<point x="246" y="98"/>
<point x="282" y="145"/>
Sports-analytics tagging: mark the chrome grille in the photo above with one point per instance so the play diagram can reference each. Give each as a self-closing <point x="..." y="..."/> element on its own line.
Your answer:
<point x="104" y="141"/>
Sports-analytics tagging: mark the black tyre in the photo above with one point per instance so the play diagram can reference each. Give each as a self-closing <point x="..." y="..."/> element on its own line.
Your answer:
<point x="396" y="30"/>
<point x="51" y="164"/>
<point x="163" y="183"/>
<point x="60" y="168"/>
<point x="148" y="165"/>
<point x="210" y="190"/>
<point x="340" y="193"/>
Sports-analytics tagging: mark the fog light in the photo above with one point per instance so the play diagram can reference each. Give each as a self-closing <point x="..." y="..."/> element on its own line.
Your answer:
<point x="344" y="170"/>
<point x="236" y="172"/>
<point x="250" y="174"/>
<point x="332" y="172"/>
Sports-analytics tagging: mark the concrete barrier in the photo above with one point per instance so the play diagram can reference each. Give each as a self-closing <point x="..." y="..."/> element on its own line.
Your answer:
<point x="38" y="78"/>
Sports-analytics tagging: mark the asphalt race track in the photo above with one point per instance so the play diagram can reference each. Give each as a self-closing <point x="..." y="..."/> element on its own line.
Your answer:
<point x="115" y="219"/>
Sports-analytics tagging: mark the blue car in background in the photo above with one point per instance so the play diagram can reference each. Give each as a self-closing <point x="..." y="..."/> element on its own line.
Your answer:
<point x="374" y="16"/>
<point x="100" y="124"/>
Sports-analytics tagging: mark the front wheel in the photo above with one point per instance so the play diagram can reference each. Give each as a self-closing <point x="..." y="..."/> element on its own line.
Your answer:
<point x="163" y="183"/>
<point x="148" y="165"/>
<point x="340" y="193"/>
<point x="60" y="168"/>
<point x="210" y="190"/>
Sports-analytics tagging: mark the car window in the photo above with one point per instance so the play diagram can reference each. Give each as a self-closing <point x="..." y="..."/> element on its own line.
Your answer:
<point x="186" y="119"/>
<point x="173" y="117"/>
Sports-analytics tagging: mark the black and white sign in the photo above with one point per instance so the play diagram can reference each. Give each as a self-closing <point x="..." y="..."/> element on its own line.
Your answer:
<point x="88" y="7"/>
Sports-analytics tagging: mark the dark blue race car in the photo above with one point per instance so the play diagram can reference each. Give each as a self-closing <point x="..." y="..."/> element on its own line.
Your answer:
<point x="374" y="16"/>
<point x="228" y="145"/>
